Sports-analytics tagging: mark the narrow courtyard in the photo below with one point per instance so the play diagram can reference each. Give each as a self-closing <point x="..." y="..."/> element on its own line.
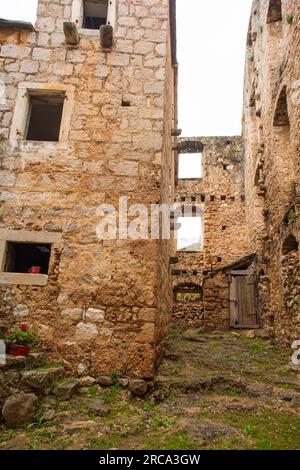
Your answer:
<point x="213" y="391"/>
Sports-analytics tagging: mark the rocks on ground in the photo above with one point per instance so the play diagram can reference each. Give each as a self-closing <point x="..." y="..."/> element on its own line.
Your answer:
<point x="19" y="409"/>
<point x="67" y="389"/>
<point x="99" y="408"/>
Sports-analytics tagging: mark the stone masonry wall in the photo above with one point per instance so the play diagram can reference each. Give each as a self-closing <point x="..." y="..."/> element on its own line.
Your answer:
<point x="271" y="137"/>
<point x="101" y="310"/>
<point x="221" y="194"/>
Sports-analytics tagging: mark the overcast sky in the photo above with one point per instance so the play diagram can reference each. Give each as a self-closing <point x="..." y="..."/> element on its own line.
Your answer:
<point x="211" y="54"/>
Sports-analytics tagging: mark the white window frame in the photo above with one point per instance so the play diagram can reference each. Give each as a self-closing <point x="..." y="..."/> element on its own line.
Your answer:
<point x="77" y="16"/>
<point x="20" y="118"/>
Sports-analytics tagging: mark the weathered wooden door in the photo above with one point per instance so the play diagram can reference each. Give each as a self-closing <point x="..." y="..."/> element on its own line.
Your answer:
<point x="243" y="300"/>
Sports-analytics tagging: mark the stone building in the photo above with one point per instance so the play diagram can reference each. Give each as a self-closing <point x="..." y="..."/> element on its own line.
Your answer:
<point x="271" y="125"/>
<point x="88" y="110"/>
<point x="87" y="117"/>
<point x="199" y="297"/>
<point x="248" y="275"/>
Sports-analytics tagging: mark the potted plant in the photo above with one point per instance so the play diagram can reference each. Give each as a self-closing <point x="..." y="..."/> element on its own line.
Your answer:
<point x="20" y="340"/>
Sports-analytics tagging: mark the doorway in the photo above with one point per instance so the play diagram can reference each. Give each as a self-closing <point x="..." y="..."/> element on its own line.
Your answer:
<point x="243" y="300"/>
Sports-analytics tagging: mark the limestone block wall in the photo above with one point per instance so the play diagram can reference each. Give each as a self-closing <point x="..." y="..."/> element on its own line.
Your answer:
<point x="101" y="310"/>
<point x="221" y="194"/>
<point x="271" y="137"/>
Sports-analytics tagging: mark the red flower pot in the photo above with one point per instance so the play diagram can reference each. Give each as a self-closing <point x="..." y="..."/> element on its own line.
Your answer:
<point x="18" y="350"/>
<point x="35" y="270"/>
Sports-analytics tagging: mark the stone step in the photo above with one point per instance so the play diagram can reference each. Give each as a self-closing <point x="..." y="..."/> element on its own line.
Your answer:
<point x="32" y="361"/>
<point x="41" y="381"/>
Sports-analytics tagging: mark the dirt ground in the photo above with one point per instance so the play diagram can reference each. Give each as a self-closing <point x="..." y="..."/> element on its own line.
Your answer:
<point x="213" y="391"/>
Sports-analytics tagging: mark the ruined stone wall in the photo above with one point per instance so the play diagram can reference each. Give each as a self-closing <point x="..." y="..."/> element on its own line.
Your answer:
<point x="216" y="302"/>
<point x="271" y="136"/>
<point x="100" y="310"/>
<point x="221" y="193"/>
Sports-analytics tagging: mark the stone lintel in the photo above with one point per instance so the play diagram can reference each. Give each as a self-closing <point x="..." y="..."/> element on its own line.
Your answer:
<point x="26" y="236"/>
<point x="23" y="279"/>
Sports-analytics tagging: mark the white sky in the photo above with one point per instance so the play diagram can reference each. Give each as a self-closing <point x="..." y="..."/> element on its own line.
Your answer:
<point x="211" y="54"/>
<point x="189" y="234"/>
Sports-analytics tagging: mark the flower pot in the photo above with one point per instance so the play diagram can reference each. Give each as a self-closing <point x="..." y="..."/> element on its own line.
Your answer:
<point x="18" y="350"/>
<point x="35" y="270"/>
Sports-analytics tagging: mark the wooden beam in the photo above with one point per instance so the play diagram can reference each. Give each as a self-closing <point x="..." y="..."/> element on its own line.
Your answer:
<point x="106" y="37"/>
<point x="176" y="132"/>
<point x="71" y="33"/>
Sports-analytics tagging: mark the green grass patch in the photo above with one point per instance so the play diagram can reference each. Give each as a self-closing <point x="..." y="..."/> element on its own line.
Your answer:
<point x="268" y="431"/>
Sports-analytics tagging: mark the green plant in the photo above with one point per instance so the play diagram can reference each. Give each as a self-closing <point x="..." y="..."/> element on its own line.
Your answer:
<point x="93" y="391"/>
<point x="115" y="376"/>
<point x="290" y="18"/>
<point x="22" y="335"/>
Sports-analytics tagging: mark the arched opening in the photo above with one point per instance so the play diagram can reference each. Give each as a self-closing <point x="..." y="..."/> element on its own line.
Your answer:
<point x="289" y="245"/>
<point x="274" y="11"/>
<point x="281" y="176"/>
<point x="281" y="116"/>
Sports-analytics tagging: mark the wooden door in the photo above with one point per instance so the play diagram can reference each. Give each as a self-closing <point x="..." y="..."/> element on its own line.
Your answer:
<point x="243" y="300"/>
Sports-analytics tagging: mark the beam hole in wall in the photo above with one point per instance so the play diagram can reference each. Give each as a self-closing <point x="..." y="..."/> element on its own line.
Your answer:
<point x="126" y="103"/>
<point x="274" y="11"/>
<point x="289" y="245"/>
<point x="94" y="13"/>
<point x="44" y="116"/>
<point x="22" y="257"/>
<point x="190" y="166"/>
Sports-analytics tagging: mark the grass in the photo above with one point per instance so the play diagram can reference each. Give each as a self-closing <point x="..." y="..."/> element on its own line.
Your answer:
<point x="141" y="424"/>
<point x="112" y="395"/>
<point x="268" y="431"/>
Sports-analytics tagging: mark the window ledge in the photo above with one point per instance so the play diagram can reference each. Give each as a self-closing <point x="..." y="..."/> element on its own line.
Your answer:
<point x="93" y="33"/>
<point x="23" y="279"/>
<point x="189" y="251"/>
<point x="38" y="144"/>
<point x="191" y="179"/>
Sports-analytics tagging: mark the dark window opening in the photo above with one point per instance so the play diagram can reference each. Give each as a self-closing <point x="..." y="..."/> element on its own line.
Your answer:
<point x="95" y="13"/>
<point x="27" y="258"/>
<point x="44" y="118"/>
<point x="290" y="244"/>
<point x="275" y="11"/>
